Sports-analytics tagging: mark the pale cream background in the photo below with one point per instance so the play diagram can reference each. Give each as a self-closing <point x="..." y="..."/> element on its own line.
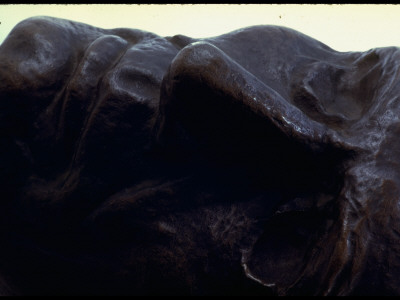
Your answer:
<point x="346" y="27"/>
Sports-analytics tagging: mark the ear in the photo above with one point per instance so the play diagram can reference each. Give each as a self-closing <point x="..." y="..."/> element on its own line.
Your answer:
<point x="212" y="109"/>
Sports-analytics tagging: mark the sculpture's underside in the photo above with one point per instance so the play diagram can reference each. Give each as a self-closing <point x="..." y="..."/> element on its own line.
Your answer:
<point x="259" y="162"/>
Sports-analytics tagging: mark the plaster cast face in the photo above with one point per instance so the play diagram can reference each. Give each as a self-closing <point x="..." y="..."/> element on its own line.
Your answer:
<point x="260" y="162"/>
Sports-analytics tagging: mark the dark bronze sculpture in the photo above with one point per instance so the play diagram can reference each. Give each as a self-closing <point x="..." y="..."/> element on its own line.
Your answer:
<point x="259" y="162"/>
